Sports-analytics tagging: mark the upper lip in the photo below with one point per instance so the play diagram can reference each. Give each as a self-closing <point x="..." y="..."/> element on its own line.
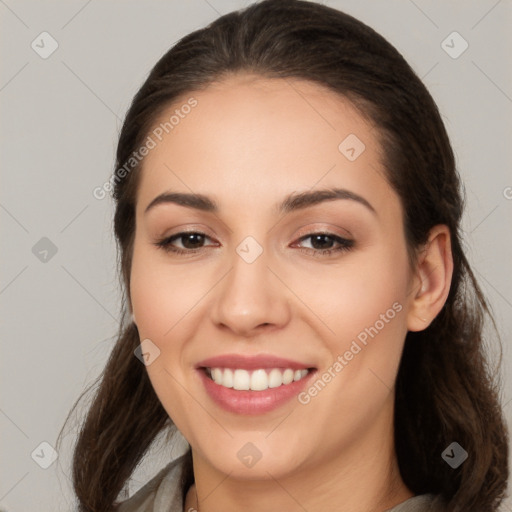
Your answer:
<point x="255" y="362"/>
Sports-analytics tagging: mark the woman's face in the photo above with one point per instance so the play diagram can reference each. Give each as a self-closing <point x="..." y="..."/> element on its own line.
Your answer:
<point x="304" y="344"/>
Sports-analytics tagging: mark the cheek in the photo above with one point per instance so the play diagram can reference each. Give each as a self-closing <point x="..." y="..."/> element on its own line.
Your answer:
<point x="160" y="296"/>
<point x="380" y="322"/>
<point x="157" y="308"/>
<point x="363" y="303"/>
<point x="353" y="295"/>
<point x="151" y="304"/>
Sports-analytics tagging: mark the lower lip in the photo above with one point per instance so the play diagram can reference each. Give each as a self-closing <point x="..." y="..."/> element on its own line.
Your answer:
<point x="252" y="402"/>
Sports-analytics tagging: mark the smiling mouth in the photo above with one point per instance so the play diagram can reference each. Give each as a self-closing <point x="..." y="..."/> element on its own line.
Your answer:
<point x="255" y="380"/>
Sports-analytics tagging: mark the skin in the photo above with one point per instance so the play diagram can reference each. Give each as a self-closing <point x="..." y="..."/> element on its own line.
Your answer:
<point x="247" y="144"/>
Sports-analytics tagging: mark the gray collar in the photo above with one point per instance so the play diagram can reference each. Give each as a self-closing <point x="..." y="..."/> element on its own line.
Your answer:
<point x="163" y="493"/>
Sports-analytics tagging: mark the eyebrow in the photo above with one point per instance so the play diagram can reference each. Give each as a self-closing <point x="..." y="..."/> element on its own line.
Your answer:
<point x="293" y="202"/>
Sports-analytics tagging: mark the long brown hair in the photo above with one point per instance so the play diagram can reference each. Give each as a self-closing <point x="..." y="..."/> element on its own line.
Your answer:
<point x="446" y="390"/>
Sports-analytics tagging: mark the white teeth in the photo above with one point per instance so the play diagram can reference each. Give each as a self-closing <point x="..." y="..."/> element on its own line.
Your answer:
<point x="275" y="378"/>
<point x="288" y="376"/>
<point x="241" y="380"/>
<point x="217" y="375"/>
<point x="259" y="380"/>
<point x="227" y="378"/>
<point x="299" y="374"/>
<point x="256" y="380"/>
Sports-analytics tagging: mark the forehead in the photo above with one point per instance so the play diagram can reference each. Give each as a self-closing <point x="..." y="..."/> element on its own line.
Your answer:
<point x="260" y="137"/>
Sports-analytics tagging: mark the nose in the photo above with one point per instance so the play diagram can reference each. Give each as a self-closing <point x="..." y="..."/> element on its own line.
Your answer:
<point x="251" y="298"/>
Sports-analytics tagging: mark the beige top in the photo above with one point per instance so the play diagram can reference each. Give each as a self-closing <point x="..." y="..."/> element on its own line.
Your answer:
<point x="163" y="493"/>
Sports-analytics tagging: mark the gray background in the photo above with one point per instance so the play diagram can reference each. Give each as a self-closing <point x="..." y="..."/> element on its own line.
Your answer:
<point x="60" y="119"/>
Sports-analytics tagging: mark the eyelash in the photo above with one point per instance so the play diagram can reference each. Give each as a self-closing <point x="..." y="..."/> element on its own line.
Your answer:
<point x="345" y="244"/>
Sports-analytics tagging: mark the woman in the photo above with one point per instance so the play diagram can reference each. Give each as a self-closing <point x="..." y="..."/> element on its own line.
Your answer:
<point x="299" y="304"/>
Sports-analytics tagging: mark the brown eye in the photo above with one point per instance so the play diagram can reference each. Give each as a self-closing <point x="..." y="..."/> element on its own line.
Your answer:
<point x="322" y="243"/>
<point x="190" y="242"/>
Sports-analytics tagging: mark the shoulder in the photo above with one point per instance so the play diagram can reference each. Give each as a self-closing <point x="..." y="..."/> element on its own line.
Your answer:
<point x="163" y="493"/>
<point x="420" y="503"/>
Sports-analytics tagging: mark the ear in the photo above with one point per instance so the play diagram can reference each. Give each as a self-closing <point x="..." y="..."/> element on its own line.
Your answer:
<point x="432" y="279"/>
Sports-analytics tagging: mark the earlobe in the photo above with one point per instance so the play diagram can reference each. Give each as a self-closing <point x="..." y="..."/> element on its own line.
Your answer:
<point x="433" y="279"/>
